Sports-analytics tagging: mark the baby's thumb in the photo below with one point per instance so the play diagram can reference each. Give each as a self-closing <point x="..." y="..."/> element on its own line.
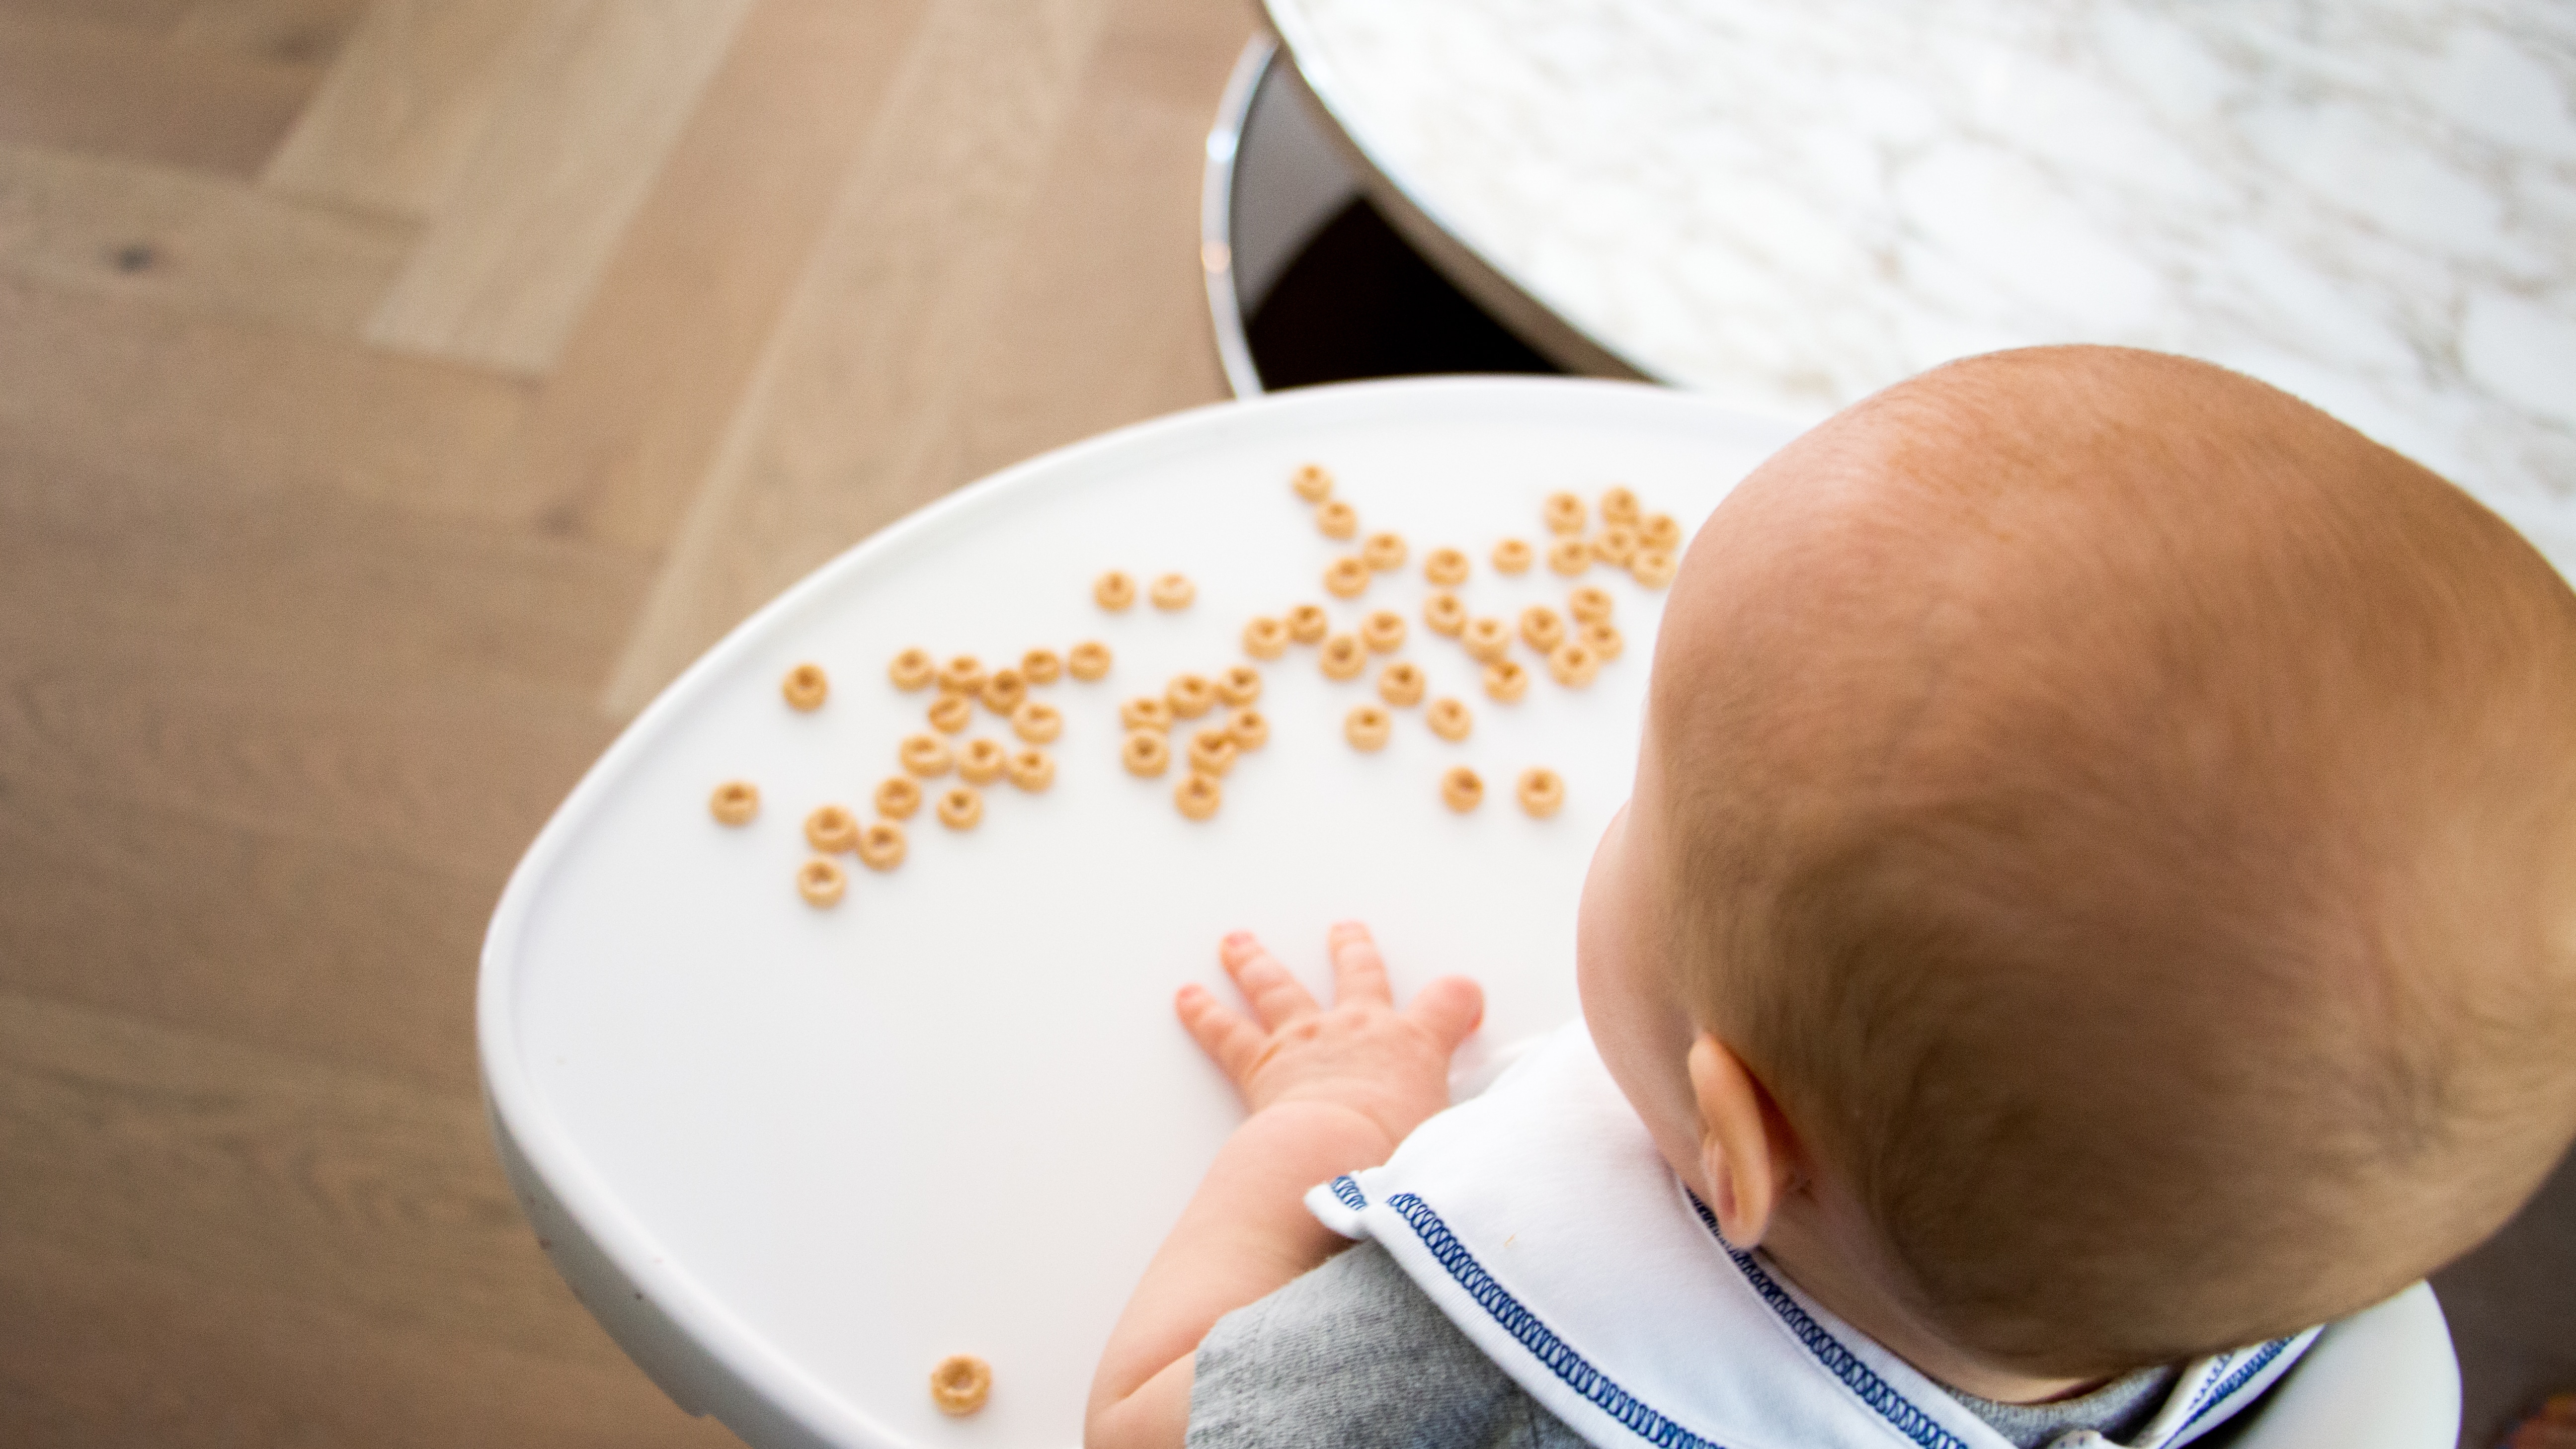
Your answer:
<point x="1449" y="1009"/>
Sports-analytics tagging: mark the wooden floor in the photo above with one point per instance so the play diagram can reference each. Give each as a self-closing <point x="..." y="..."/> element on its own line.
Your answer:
<point x="393" y="395"/>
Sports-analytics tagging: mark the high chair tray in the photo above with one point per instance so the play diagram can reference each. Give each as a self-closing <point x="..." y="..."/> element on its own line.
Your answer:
<point x="792" y="1157"/>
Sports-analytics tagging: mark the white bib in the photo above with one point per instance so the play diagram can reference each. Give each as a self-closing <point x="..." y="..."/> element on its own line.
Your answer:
<point x="1542" y="1221"/>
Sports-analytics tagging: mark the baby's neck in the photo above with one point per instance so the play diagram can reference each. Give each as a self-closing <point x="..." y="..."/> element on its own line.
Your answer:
<point x="1839" y="1282"/>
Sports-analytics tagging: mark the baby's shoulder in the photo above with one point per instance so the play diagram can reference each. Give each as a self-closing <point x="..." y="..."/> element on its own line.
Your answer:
<point x="1353" y="1353"/>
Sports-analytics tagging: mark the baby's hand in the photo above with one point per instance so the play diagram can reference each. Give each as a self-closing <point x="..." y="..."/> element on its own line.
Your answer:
<point x="1390" y="1066"/>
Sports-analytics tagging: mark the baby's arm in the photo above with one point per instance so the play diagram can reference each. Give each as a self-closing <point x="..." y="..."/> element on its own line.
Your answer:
<point x="1329" y="1092"/>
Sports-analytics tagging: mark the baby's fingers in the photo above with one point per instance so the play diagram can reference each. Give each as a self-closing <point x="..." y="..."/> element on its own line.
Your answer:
<point x="1359" y="972"/>
<point x="1233" y="1043"/>
<point x="1449" y="1009"/>
<point x="1276" y="997"/>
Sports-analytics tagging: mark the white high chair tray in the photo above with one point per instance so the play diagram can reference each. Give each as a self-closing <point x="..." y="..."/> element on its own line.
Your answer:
<point x="793" y="1157"/>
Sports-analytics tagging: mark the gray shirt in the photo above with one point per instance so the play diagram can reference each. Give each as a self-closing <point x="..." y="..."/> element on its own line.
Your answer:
<point x="1354" y="1354"/>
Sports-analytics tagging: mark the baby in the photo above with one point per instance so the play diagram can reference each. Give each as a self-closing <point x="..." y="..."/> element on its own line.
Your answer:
<point x="2098" y="902"/>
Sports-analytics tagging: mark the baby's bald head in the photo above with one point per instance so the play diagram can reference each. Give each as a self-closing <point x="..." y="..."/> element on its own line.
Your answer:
<point x="2128" y="821"/>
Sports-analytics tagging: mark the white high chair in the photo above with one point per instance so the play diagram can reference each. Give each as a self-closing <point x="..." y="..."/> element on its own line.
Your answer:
<point x="791" y="1158"/>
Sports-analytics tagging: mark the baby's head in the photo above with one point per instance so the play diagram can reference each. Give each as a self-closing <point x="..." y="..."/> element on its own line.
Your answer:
<point x="2116" y="828"/>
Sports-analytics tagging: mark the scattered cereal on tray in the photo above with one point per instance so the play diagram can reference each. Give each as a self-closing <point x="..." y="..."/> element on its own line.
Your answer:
<point x="1042" y="666"/>
<point x="1250" y="729"/>
<point x="1384" y="552"/>
<point x="1589" y="605"/>
<point x="951" y="713"/>
<point x="1240" y="684"/>
<point x="1542" y="628"/>
<point x="1212" y="750"/>
<point x="1652" y="567"/>
<point x="1198" y="796"/>
<point x="1442" y="613"/>
<point x="1032" y="770"/>
<point x="1146" y="712"/>
<point x="899" y="796"/>
<point x="1486" y="639"/>
<point x="1569" y="556"/>
<point x="1506" y="681"/>
<point x="962" y="675"/>
<point x="1347" y="577"/>
<point x="1087" y="661"/>
<point x="1602" y="639"/>
<point x="735" y="802"/>
<point x="1113" y="591"/>
<point x="1461" y="789"/>
<point x="912" y="669"/>
<point x="1618" y="505"/>
<point x="1337" y="519"/>
<point x="1145" y="753"/>
<point x="1307" y="623"/>
<point x="1383" y="631"/>
<point x="1005" y="691"/>
<point x="1542" y="790"/>
<point x="1313" y="482"/>
<point x="1174" y="591"/>
<point x="1400" y="684"/>
<point x="805" y="686"/>
<point x="1615" y="546"/>
<point x="1563" y="513"/>
<point x="1367" y="727"/>
<point x="926" y="755"/>
<point x="981" y="761"/>
<point x="1446" y="567"/>
<point x="1037" y="721"/>
<point x="1342" y="657"/>
<point x="1449" y="719"/>
<point x="1511" y="556"/>
<point x="1659" y="532"/>
<point x="1189" y="695"/>
<point x="1265" y="638"/>
<point x="881" y="845"/>
<point x="1573" y="664"/>
<point x="831" y="829"/>
<point x="960" y="807"/>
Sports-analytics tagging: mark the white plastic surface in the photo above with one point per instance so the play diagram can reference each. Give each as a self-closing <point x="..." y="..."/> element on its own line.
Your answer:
<point x="2385" y="1378"/>
<point x="828" y="1147"/>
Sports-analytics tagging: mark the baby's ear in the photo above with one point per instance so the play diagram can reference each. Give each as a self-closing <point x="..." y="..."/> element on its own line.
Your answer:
<point x="1743" y="1163"/>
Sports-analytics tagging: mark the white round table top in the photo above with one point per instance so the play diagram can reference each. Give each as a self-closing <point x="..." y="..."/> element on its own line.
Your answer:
<point x="1786" y="207"/>
<point x="954" y="1113"/>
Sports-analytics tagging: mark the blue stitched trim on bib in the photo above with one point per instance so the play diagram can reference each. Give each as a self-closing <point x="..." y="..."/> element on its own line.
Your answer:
<point x="1844" y="1364"/>
<point x="1349" y="1192"/>
<point x="1542" y="1342"/>
<point x="2237" y="1380"/>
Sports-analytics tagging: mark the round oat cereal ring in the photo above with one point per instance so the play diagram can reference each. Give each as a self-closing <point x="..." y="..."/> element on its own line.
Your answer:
<point x="805" y="686"/>
<point x="1652" y="567"/>
<point x="962" y="675"/>
<point x="1486" y="639"/>
<point x="1190" y="695"/>
<point x="1240" y="684"/>
<point x="1445" y="567"/>
<point x="1443" y="614"/>
<point x="1384" y="552"/>
<point x="1460" y="788"/>
<point x="1573" y="663"/>
<point x="881" y="845"/>
<point x="912" y="669"/>
<point x="1615" y="545"/>
<point x="1198" y="796"/>
<point x="1603" y="640"/>
<point x="1113" y="591"/>
<point x="981" y="761"/>
<point x="1087" y="661"/>
<point x="1449" y="719"/>
<point x="1308" y="623"/>
<point x="1042" y="666"/>
<point x="1383" y="631"/>
<point x="1337" y="519"/>
<point x="1212" y="750"/>
<point x="735" y="802"/>
<point x="1660" y="532"/>
<point x="1619" y="505"/>
<point x="1542" y="628"/>
<point x="1265" y="638"/>
<point x="1542" y="790"/>
<point x="950" y="713"/>
<point x="1347" y="578"/>
<point x="960" y="807"/>
<point x="1031" y="770"/>
<point x="960" y="1383"/>
<point x="1400" y="684"/>
<point x="926" y="755"/>
<point x="820" y="882"/>
<point x="1313" y="482"/>
<point x="1174" y="591"/>
<point x="1037" y="721"/>
<point x="1589" y="605"/>
<point x="1505" y="681"/>
<point x="1004" y="692"/>
<point x="1250" y="729"/>
<point x="1511" y="556"/>
<point x="1563" y="513"/>
<point x="899" y="796"/>
<point x="1145" y="753"/>
<point x="831" y="829"/>
<point x="1367" y="727"/>
<point x="1569" y="556"/>
<point x="1145" y="712"/>
<point x="1342" y="657"/>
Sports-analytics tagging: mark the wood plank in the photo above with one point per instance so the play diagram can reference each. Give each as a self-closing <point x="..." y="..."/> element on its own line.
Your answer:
<point x="627" y="423"/>
<point x="399" y="114"/>
<point x="294" y="32"/>
<point x="252" y="404"/>
<point x="850" y="415"/>
<point x="593" y="106"/>
<point x="207" y="1244"/>
<point x="117" y="90"/>
<point x="191" y="240"/>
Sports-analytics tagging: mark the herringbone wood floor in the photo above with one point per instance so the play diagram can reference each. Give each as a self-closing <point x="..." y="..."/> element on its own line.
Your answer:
<point x="392" y="396"/>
